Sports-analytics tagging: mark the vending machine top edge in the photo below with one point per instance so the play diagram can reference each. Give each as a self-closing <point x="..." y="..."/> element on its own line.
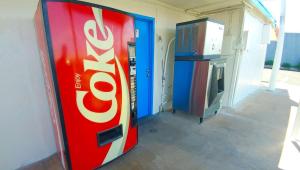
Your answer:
<point x="88" y="57"/>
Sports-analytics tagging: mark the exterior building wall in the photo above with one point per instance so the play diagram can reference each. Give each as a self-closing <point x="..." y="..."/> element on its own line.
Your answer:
<point x="252" y="58"/>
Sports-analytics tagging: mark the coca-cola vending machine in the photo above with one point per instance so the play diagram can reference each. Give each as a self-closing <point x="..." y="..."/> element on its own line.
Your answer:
<point x="88" y="57"/>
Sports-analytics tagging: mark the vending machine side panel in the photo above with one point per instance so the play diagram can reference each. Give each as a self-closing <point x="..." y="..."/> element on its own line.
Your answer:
<point x="48" y="80"/>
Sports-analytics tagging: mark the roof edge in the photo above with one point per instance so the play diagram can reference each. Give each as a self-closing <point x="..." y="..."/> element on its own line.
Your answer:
<point x="264" y="10"/>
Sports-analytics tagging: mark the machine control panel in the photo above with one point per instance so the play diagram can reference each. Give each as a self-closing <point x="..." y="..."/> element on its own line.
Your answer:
<point x="132" y="72"/>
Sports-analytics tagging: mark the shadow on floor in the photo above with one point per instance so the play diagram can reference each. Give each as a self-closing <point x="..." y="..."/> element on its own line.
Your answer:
<point x="249" y="136"/>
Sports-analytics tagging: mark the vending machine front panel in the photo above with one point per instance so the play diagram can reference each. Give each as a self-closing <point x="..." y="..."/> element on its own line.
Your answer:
<point x="88" y="58"/>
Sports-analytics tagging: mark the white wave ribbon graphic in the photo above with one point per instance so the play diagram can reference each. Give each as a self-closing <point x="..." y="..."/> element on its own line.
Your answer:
<point x="117" y="146"/>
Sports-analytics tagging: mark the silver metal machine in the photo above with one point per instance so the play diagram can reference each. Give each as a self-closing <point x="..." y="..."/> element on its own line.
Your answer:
<point x="199" y="68"/>
<point x="199" y="38"/>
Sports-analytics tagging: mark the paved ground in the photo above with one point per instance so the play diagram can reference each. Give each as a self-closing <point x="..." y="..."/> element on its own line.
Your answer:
<point x="290" y="81"/>
<point x="250" y="136"/>
<point x="287" y="77"/>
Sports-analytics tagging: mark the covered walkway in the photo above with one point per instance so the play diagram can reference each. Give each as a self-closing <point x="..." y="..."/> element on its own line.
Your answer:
<point x="250" y="136"/>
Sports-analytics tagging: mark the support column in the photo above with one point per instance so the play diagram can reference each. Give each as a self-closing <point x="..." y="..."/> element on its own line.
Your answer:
<point x="279" y="49"/>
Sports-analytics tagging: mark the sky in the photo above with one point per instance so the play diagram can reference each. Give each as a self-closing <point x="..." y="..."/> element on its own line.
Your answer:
<point x="292" y="17"/>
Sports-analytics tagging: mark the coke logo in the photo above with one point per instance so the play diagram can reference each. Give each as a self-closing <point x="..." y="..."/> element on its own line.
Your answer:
<point x="102" y="68"/>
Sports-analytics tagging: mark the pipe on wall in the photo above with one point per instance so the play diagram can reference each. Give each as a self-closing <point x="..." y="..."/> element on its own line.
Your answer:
<point x="165" y="61"/>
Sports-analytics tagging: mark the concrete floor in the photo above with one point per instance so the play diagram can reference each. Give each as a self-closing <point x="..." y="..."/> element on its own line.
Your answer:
<point x="250" y="136"/>
<point x="284" y="76"/>
<point x="290" y="81"/>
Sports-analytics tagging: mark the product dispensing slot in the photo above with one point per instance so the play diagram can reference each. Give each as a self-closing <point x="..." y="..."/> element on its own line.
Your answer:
<point x="132" y="70"/>
<point x="217" y="83"/>
<point x="110" y="135"/>
<point x="220" y="78"/>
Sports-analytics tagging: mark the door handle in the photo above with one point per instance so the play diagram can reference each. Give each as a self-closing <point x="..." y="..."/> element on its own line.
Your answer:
<point x="148" y="73"/>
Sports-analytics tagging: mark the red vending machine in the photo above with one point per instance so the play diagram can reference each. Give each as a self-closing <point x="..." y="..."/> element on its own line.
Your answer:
<point x="88" y="57"/>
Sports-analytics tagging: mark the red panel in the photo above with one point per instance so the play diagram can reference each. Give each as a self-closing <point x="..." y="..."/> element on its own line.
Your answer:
<point x="199" y="87"/>
<point x="39" y="26"/>
<point x="93" y="87"/>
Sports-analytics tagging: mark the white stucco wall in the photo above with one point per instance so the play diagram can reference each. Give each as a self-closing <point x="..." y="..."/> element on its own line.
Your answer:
<point x="251" y="62"/>
<point x="25" y="126"/>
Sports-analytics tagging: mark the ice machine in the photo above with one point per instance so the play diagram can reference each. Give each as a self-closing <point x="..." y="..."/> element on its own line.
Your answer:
<point x="199" y="68"/>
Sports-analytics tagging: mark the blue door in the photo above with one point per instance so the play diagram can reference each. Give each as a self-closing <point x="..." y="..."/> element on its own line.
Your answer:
<point x="144" y="56"/>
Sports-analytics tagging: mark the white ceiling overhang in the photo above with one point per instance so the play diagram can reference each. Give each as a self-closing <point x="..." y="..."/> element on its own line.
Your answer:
<point x="205" y="7"/>
<point x="200" y="6"/>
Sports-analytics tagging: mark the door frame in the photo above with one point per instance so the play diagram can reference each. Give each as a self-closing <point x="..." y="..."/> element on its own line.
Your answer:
<point x="151" y="22"/>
